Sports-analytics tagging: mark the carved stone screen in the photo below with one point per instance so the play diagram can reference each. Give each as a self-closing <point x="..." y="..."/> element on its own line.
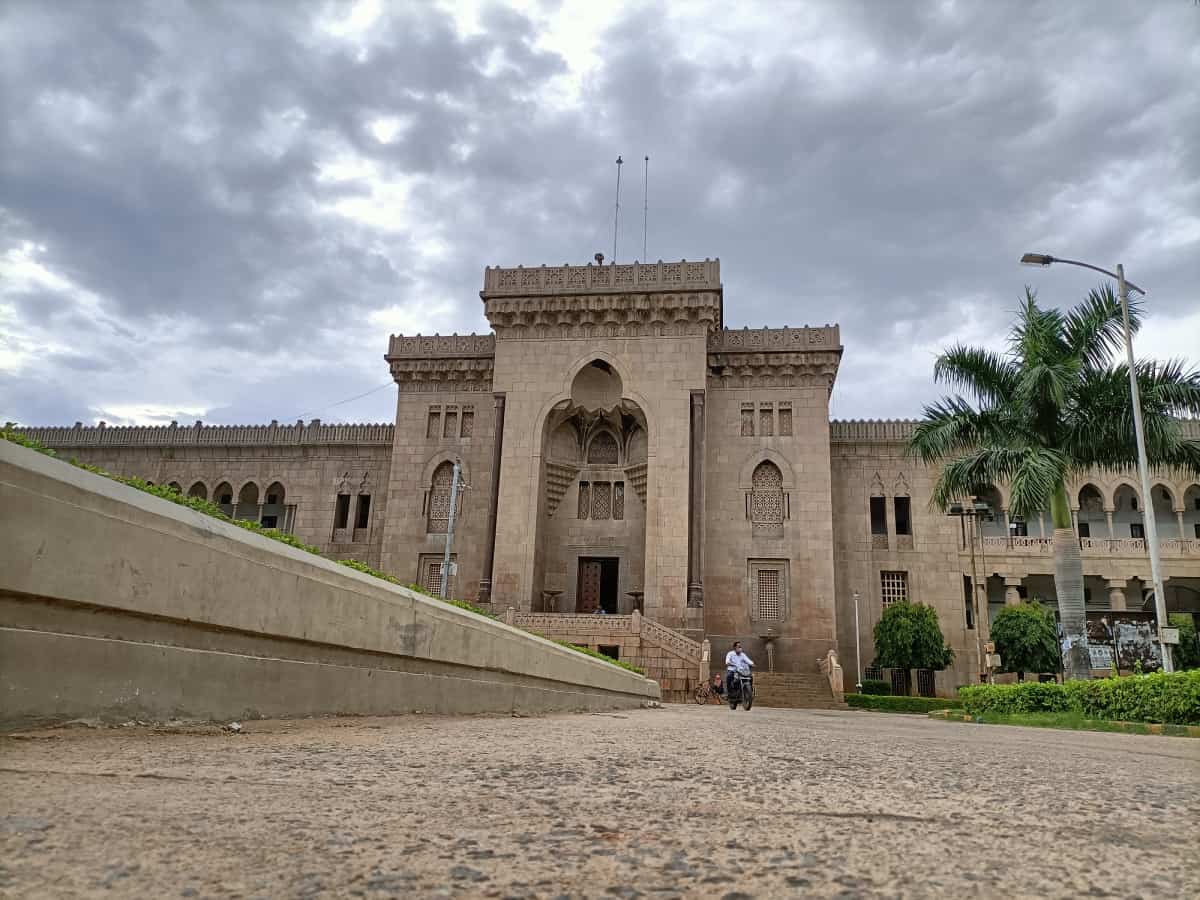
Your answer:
<point x="770" y="606"/>
<point x="603" y="450"/>
<point x="766" y="496"/>
<point x="439" y="499"/>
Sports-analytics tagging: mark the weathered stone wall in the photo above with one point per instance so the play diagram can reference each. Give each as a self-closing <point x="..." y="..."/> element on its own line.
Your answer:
<point x="117" y="604"/>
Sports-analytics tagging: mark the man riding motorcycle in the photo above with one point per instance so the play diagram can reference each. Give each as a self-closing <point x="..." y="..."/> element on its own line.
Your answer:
<point x="736" y="661"/>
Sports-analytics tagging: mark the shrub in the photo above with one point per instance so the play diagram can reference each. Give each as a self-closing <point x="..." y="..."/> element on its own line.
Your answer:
<point x="875" y="686"/>
<point x="588" y="651"/>
<point x="1187" y="652"/>
<point x="908" y="637"/>
<point x="1027" y="639"/>
<point x="1157" y="697"/>
<point x="884" y="703"/>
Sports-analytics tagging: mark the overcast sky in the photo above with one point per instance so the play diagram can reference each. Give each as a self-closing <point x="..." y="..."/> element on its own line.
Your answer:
<point x="221" y="211"/>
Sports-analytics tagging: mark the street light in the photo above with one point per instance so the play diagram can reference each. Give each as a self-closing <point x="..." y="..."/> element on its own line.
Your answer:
<point x="976" y="510"/>
<point x="857" y="649"/>
<point x="1123" y="288"/>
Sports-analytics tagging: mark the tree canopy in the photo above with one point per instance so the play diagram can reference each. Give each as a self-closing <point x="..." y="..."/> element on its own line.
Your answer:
<point x="1026" y="638"/>
<point x="908" y="636"/>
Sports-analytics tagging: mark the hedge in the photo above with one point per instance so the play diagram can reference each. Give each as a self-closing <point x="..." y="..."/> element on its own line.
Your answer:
<point x="875" y="686"/>
<point x="884" y="703"/>
<point x="1157" y="697"/>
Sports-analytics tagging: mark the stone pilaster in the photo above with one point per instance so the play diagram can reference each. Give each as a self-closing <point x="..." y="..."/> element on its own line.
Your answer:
<point x="695" y="598"/>
<point x="1012" y="594"/>
<point x="1116" y="593"/>
<point x="489" y="552"/>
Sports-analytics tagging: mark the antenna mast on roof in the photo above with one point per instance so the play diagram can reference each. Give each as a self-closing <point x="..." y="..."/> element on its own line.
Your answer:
<point x="645" y="207"/>
<point x="617" y="210"/>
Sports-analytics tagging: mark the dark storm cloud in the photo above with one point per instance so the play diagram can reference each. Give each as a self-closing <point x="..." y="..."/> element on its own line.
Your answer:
<point x="877" y="164"/>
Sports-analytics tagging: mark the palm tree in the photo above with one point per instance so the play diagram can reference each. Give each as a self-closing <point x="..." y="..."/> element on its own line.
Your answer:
<point x="1055" y="404"/>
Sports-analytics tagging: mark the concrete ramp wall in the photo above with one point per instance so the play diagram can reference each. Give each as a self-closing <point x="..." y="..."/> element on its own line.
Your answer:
<point x="115" y="604"/>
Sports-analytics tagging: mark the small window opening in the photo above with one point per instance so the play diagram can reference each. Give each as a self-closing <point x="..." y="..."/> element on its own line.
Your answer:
<point x="364" y="511"/>
<point x="878" y="515"/>
<point x="341" y="514"/>
<point x="903" y="515"/>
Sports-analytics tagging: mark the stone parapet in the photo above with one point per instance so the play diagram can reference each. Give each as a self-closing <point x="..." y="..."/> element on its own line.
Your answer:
<point x="870" y="431"/>
<point x="767" y="340"/>
<point x="441" y="346"/>
<point x="200" y="435"/>
<point x="592" y="279"/>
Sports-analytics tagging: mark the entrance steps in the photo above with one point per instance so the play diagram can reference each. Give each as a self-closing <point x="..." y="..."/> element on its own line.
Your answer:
<point x="794" y="690"/>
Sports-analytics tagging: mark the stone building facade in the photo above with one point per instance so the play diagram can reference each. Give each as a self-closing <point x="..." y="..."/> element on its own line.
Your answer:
<point x="622" y="450"/>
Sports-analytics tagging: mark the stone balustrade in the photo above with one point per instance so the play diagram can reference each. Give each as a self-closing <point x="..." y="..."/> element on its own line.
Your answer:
<point x="767" y="340"/>
<point x="1089" y="546"/>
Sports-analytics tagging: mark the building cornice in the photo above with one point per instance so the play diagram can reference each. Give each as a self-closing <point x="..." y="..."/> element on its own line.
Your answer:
<point x="201" y="435"/>
<point x="557" y="281"/>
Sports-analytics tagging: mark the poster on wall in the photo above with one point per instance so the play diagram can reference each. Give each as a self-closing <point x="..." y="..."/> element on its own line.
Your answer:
<point x="1124" y="639"/>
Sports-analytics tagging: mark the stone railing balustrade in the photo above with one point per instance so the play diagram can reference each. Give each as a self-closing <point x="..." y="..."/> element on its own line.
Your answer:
<point x="1090" y="546"/>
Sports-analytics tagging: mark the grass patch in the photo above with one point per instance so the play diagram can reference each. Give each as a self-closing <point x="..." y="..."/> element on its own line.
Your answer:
<point x="1072" y="721"/>
<point x="888" y="703"/>
<point x="209" y="508"/>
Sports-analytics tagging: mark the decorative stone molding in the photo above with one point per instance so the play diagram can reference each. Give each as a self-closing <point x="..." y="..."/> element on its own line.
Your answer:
<point x="634" y="314"/>
<point x="636" y="474"/>
<point x="473" y="374"/>
<point x="734" y="340"/>
<point x="440" y="346"/>
<point x="558" y="478"/>
<point x="731" y="370"/>
<point x="567" y="279"/>
<point x="200" y="435"/>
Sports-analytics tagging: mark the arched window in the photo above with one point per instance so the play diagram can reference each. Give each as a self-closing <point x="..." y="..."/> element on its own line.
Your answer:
<point x="247" y="504"/>
<point x="766" y="496"/>
<point x="603" y="450"/>
<point x="176" y="487"/>
<point x="198" y="490"/>
<point x="223" y="497"/>
<point x="439" y="499"/>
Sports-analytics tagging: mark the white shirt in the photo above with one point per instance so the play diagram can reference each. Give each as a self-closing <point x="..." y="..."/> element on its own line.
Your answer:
<point x="735" y="659"/>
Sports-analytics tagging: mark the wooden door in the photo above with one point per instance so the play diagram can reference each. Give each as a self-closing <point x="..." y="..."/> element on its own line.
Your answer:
<point x="587" y="598"/>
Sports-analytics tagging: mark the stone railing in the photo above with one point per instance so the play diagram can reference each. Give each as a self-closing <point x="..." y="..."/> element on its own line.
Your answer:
<point x="856" y="431"/>
<point x="634" y="277"/>
<point x="570" y="623"/>
<point x="766" y="340"/>
<point x="671" y="640"/>
<point x="440" y="346"/>
<point x="175" y="435"/>
<point x="831" y="668"/>
<point x="1090" y="546"/>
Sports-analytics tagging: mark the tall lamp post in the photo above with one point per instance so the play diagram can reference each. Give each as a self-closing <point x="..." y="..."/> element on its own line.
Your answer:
<point x="1123" y="288"/>
<point x="975" y="510"/>
<point x="857" y="649"/>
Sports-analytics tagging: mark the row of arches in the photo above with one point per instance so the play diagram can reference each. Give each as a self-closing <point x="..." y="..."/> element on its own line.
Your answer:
<point x="1113" y="511"/>
<point x="268" y="507"/>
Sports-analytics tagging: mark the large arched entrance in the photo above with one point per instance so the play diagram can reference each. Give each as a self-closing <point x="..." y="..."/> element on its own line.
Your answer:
<point x="591" y="546"/>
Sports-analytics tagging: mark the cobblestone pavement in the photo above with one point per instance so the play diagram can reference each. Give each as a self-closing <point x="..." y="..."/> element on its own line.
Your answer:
<point x="632" y="804"/>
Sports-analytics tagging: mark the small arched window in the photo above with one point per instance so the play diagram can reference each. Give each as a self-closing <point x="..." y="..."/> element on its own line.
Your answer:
<point x="439" y="499"/>
<point x="198" y="490"/>
<point x="766" y="495"/>
<point x="603" y="450"/>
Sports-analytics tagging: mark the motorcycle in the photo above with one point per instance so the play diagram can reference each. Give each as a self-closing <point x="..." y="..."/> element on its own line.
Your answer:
<point x="740" y="689"/>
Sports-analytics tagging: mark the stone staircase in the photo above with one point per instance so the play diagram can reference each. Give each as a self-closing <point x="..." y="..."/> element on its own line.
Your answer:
<point x="794" y="690"/>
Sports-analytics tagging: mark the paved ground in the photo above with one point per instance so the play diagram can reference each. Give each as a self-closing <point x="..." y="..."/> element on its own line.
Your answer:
<point x="617" y="805"/>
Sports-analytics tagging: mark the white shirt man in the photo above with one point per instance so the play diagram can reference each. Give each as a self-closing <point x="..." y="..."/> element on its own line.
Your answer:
<point x="736" y="660"/>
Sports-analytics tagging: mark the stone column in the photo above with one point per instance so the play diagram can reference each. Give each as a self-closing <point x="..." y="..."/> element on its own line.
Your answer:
<point x="1012" y="596"/>
<point x="1108" y="517"/>
<point x="1116" y="593"/>
<point x="695" y="598"/>
<point x="1179" y="518"/>
<point x="1008" y="535"/>
<point x="489" y="544"/>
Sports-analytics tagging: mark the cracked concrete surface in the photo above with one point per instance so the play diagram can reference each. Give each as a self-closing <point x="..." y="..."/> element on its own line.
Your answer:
<point x="625" y="805"/>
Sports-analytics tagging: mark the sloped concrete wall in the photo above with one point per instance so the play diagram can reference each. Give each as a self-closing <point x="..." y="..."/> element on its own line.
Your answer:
<point x="115" y="604"/>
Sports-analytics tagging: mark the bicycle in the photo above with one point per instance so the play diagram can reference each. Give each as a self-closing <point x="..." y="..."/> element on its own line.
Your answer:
<point x="706" y="693"/>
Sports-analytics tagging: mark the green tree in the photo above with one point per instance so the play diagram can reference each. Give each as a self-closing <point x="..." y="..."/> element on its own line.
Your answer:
<point x="1187" y="653"/>
<point x="1053" y="405"/>
<point x="907" y="636"/>
<point x="1026" y="638"/>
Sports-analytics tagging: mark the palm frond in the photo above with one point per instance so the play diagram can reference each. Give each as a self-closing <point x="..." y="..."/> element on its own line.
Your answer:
<point x="965" y="475"/>
<point x="1094" y="329"/>
<point x="987" y="375"/>
<point x="952" y="425"/>
<point x="1040" y="471"/>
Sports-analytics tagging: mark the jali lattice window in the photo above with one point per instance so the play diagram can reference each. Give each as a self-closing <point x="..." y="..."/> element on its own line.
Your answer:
<point x="766" y="420"/>
<point x="785" y="419"/>
<point x="766" y="495"/>
<point x="602" y="500"/>
<point x="747" y="420"/>
<point x="468" y="421"/>
<point x="603" y="450"/>
<point x="585" y="499"/>
<point x="450" y="425"/>
<point x="439" y="499"/>
<point x="770" y="600"/>
<point x="434" y="427"/>
<point x="619" y="500"/>
<point x="893" y="587"/>
<point x="429" y="573"/>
